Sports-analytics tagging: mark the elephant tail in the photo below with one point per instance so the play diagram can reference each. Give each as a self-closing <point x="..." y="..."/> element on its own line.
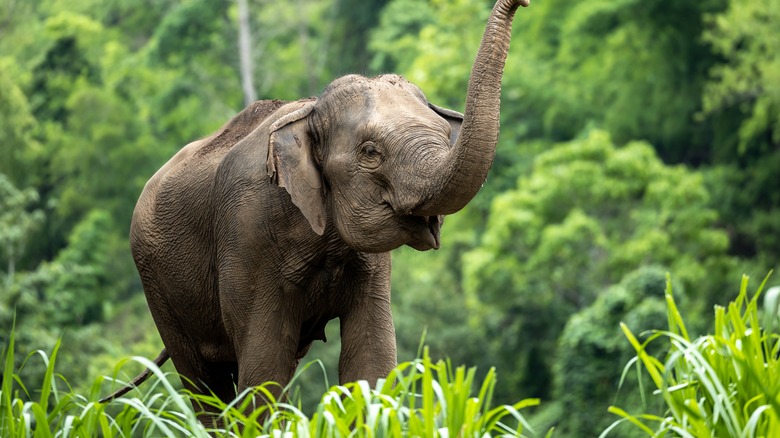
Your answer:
<point x="139" y="379"/>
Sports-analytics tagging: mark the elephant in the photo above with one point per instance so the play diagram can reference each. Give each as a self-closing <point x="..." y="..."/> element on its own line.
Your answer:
<point x="249" y="241"/>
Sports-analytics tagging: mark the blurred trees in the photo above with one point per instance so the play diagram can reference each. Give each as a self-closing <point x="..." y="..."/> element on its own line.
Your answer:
<point x="635" y="68"/>
<point x="586" y="376"/>
<point x="587" y="215"/>
<point x="91" y="108"/>
<point x="16" y="223"/>
<point x="638" y="137"/>
<point x="353" y="23"/>
<point x="743" y="96"/>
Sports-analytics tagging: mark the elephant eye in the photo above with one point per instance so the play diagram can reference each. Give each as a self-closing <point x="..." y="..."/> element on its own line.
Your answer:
<point x="371" y="156"/>
<point x="370" y="150"/>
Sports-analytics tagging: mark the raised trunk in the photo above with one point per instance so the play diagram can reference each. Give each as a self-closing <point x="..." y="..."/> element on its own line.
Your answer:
<point x="466" y="167"/>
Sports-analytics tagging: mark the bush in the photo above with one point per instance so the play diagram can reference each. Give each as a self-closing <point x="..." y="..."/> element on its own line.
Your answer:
<point x="591" y="353"/>
<point x="721" y="384"/>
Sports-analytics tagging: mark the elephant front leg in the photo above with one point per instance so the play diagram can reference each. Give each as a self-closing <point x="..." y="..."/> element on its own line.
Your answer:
<point x="368" y="348"/>
<point x="269" y="350"/>
<point x="265" y="327"/>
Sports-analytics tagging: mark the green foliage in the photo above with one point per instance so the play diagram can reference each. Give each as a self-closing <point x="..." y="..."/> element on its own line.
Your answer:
<point x="745" y="36"/>
<point x="353" y="22"/>
<point x="634" y="68"/>
<point x="46" y="410"/>
<point x="744" y="96"/>
<point x="588" y="214"/>
<point x="294" y="46"/>
<point x="418" y="398"/>
<point x="721" y="384"/>
<point x="187" y="30"/>
<point x="438" y="58"/>
<point x="587" y="368"/>
<point x="16" y="224"/>
<point x="96" y="95"/>
<point x="16" y="127"/>
<point x="71" y="296"/>
<point x="395" y="41"/>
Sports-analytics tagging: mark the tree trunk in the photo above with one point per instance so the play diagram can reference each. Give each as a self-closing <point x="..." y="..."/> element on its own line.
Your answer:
<point x="245" y="53"/>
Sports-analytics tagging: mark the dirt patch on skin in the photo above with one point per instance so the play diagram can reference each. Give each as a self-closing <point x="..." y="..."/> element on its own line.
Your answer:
<point x="241" y="125"/>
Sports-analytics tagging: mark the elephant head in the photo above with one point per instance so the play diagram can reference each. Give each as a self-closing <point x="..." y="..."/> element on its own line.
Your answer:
<point x="376" y="158"/>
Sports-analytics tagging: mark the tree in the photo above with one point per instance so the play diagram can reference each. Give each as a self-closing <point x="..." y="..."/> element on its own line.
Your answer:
<point x="592" y="351"/>
<point x="432" y="44"/>
<point x="294" y="51"/>
<point x="394" y="42"/>
<point x="64" y="67"/>
<point x="588" y="214"/>
<point x="634" y="68"/>
<point x="16" y="224"/>
<point x="70" y="297"/>
<point x="245" y="53"/>
<point x="744" y="35"/>
<point x="16" y="129"/>
<point x="743" y="95"/>
<point x="353" y="22"/>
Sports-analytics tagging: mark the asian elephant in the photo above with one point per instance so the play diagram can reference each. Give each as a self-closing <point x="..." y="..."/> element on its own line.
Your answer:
<point x="249" y="241"/>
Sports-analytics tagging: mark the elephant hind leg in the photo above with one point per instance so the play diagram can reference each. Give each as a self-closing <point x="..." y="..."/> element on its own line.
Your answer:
<point x="219" y="380"/>
<point x="198" y="375"/>
<point x="223" y="380"/>
<point x="208" y="379"/>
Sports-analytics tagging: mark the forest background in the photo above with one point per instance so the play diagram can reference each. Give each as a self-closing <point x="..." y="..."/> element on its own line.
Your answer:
<point x="638" y="138"/>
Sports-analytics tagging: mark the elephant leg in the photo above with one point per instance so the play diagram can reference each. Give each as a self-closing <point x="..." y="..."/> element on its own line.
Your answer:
<point x="368" y="350"/>
<point x="266" y="365"/>
<point x="221" y="379"/>
<point x="201" y="377"/>
<point x="265" y="330"/>
<point x="208" y="379"/>
<point x="198" y="375"/>
<point x="268" y="351"/>
<point x="254" y="302"/>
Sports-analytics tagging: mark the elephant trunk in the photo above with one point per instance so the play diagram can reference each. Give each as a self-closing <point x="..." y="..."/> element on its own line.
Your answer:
<point x="466" y="166"/>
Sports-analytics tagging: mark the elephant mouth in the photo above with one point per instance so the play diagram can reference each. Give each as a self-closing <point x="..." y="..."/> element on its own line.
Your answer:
<point x="426" y="231"/>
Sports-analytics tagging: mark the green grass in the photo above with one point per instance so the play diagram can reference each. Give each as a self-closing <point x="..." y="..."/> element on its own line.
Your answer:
<point x="419" y="398"/>
<point x="725" y="384"/>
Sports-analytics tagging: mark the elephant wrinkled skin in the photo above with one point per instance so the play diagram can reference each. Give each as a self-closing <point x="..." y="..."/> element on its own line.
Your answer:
<point x="249" y="241"/>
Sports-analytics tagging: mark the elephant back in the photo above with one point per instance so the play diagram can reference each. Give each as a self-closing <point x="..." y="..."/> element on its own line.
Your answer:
<point x="240" y="126"/>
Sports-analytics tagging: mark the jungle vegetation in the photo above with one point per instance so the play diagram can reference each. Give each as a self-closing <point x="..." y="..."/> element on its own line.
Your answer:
<point x="639" y="138"/>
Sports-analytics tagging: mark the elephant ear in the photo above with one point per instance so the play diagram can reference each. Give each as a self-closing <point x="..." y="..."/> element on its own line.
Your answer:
<point x="291" y="165"/>
<point x="454" y="118"/>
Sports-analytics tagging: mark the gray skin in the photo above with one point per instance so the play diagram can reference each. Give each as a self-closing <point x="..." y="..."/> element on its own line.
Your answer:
<point x="249" y="241"/>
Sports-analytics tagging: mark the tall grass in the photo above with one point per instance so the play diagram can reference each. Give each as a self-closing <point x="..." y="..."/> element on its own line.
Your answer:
<point x="53" y="409"/>
<point x="725" y="384"/>
<point x="419" y="398"/>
